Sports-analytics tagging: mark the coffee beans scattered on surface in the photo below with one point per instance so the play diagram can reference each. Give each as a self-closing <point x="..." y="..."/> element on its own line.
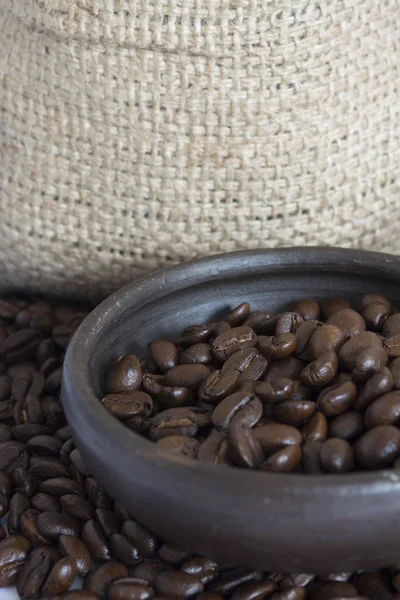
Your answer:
<point x="257" y="409"/>
<point x="288" y="393"/>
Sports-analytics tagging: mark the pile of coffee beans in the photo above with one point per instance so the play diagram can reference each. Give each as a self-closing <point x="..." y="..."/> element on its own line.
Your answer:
<point x="313" y="390"/>
<point x="61" y="527"/>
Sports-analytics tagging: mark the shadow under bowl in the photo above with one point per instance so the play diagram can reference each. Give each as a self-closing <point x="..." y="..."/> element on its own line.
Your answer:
<point x="294" y="523"/>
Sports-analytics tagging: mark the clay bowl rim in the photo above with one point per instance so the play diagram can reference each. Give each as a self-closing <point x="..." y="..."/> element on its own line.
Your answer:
<point x="77" y="383"/>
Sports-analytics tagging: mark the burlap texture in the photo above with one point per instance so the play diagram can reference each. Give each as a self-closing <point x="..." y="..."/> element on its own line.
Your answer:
<point x="138" y="133"/>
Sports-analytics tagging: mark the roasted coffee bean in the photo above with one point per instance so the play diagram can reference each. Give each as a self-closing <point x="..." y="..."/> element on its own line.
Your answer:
<point x="188" y="376"/>
<point x="244" y="447"/>
<point x="284" y="460"/>
<point x="321" y="371"/>
<point x="4" y="504"/>
<point x="45" y="350"/>
<point x="96" y="494"/>
<point x="294" y="593"/>
<point x="12" y="455"/>
<point x="178" y="584"/>
<point x="125" y="375"/>
<point x="123" y="550"/>
<point x="2" y="533"/>
<point x="219" y="384"/>
<point x="327" y="590"/>
<point x="101" y="577"/>
<point x="372" y="298"/>
<point x="303" y="337"/>
<point x="379" y="384"/>
<point x="78" y="507"/>
<point x="369" y="361"/>
<point x="288" y="322"/>
<point x="214" y="449"/>
<point x="18" y="505"/>
<point x="45" y="503"/>
<point x="52" y="525"/>
<point x="5" y="389"/>
<point x="290" y="367"/>
<point x="195" y="334"/>
<point x="349" y="352"/>
<point x="249" y="363"/>
<point x="29" y="411"/>
<point x="294" y="412"/>
<point x="173" y="555"/>
<point x="373" y="585"/>
<point x="232" y="579"/>
<point x="76" y="549"/>
<point x="13" y="554"/>
<point x="173" y="421"/>
<point x="233" y="406"/>
<point x="274" y="436"/>
<point x="20" y="345"/>
<point x="308" y="309"/>
<point x="204" y="568"/>
<point x="277" y="347"/>
<point x="61" y="577"/>
<point x="127" y="405"/>
<point x="254" y="590"/>
<point x="7" y="310"/>
<point x="59" y="486"/>
<point x="347" y="426"/>
<point x="233" y="340"/>
<point x="23" y="367"/>
<point x="144" y="541"/>
<point x="27" y="384"/>
<point x="108" y="521"/>
<point x="45" y="445"/>
<point x="383" y="411"/>
<point x="336" y="456"/>
<point x="94" y="539"/>
<point x="324" y="339"/>
<point x="6" y="487"/>
<point x="24" y="482"/>
<point x="152" y="384"/>
<point x="311" y="459"/>
<point x="77" y="460"/>
<point x="378" y="448"/>
<point x="262" y="323"/>
<point x="197" y="354"/>
<point x="47" y="467"/>
<point x="175" y="397"/>
<point x="64" y="433"/>
<point x="391" y="326"/>
<point x="129" y="588"/>
<point x="34" y="573"/>
<point x="315" y="429"/>
<point x="392" y="346"/>
<point x="164" y="354"/>
<point x="180" y="444"/>
<point x="238" y="314"/>
<point x="220" y="328"/>
<point x="375" y="314"/>
<point x="149" y="569"/>
<point x="66" y="450"/>
<point x="5" y="433"/>
<point x="336" y="400"/>
<point x="77" y="595"/>
<point x="7" y="409"/>
<point x="24" y="432"/>
<point x="349" y="321"/>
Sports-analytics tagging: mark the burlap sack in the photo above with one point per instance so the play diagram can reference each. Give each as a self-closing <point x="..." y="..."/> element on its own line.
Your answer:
<point x="138" y="133"/>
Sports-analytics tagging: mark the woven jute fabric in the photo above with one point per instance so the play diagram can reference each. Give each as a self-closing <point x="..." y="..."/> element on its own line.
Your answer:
<point x="135" y="134"/>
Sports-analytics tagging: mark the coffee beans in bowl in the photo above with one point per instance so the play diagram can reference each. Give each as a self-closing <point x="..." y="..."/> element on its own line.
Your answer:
<point x="310" y="390"/>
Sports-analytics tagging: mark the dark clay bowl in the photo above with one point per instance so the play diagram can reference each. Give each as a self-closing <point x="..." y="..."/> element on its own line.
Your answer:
<point x="253" y="519"/>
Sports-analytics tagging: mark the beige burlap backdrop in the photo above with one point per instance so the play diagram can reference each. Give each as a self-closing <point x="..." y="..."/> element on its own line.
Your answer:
<point x="138" y="133"/>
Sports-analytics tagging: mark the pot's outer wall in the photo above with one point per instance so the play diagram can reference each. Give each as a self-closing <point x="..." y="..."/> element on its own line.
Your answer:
<point x="274" y="522"/>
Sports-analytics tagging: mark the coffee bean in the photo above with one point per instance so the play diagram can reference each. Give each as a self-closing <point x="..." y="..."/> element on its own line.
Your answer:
<point x="294" y="593"/>
<point x="178" y="584"/>
<point x="164" y="354"/>
<point x="308" y="309"/>
<point x="149" y="570"/>
<point x="321" y="371"/>
<point x="101" y="577"/>
<point x="379" y="384"/>
<point x="368" y="362"/>
<point x="290" y="367"/>
<point x="20" y="346"/>
<point x="34" y="572"/>
<point x="127" y="405"/>
<point x="77" y="595"/>
<point x="311" y="460"/>
<point x="373" y="585"/>
<point x="315" y="429"/>
<point x="198" y="353"/>
<point x="93" y="538"/>
<point x="59" y="486"/>
<point x="201" y="567"/>
<point x="5" y="433"/>
<point x="195" y="334"/>
<point x="7" y="310"/>
<point x="125" y="375"/>
<point x="5" y="389"/>
<point x="108" y="521"/>
<point x="232" y="406"/>
<point x="52" y="525"/>
<point x="214" y="449"/>
<point x="96" y="494"/>
<point x="274" y="436"/>
<point x="349" y="352"/>
<point x="288" y="322"/>
<point x="78" y="507"/>
<point x="284" y="460"/>
<point x="12" y="455"/>
<point x="61" y="577"/>
<point x="47" y="467"/>
<point x="174" y="421"/>
<point x="378" y="448"/>
<point x="209" y="596"/>
<point x="18" y="505"/>
<point x="244" y="447"/>
<point x="233" y="340"/>
<point x="336" y="400"/>
<point x="13" y="554"/>
<point x="347" y="426"/>
<point x="45" y="503"/>
<point x="45" y="445"/>
<point x="391" y="326"/>
<point x="277" y="347"/>
<point x="24" y="482"/>
<point x="180" y="444"/>
<point x="123" y="550"/>
<point x="327" y="590"/>
<point x="383" y="411"/>
<point x="129" y="588"/>
<point x="262" y="323"/>
<point x="324" y="339"/>
<point x="173" y="555"/>
<point x="231" y="579"/>
<point x="375" y="314"/>
<point x="144" y="541"/>
<point x="24" y="432"/>
<point x="294" y="412"/>
<point x="349" y="321"/>
<point x="175" y="397"/>
<point x="76" y="549"/>
<point x="336" y="456"/>
<point x="220" y="384"/>
<point x="188" y="376"/>
<point x="6" y="487"/>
